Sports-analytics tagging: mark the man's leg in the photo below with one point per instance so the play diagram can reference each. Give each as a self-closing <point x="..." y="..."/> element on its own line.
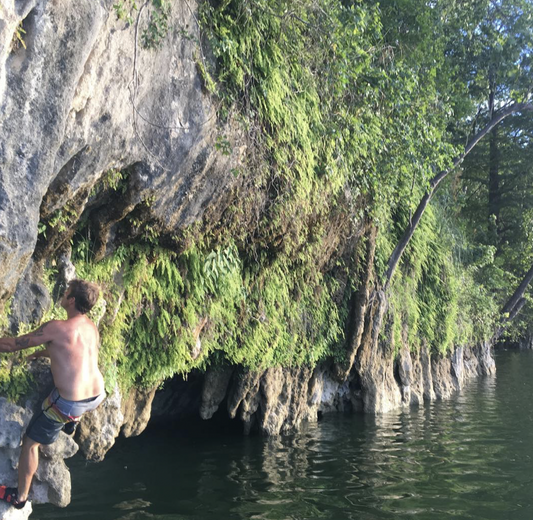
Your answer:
<point x="28" y="463"/>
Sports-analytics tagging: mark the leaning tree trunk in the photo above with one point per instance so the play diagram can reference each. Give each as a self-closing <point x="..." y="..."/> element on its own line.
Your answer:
<point x="514" y="305"/>
<point x="408" y="233"/>
<point x="509" y="307"/>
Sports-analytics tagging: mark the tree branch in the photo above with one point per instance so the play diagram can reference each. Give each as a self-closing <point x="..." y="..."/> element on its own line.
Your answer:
<point x="504" y="322"/>
<point x="408" y="233"/>
<point x="518" y="294"/>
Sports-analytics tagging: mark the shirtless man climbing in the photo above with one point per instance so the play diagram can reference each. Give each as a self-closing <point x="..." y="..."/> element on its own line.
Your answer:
<point x="72" y="346"/>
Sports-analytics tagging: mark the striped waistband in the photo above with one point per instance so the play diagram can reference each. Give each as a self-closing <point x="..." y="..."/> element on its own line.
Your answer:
<point x="52" y="411"/>
<point x="64" y="411"/>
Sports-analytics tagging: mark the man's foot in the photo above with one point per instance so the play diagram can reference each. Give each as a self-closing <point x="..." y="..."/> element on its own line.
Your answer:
<point x="10" y="495"/>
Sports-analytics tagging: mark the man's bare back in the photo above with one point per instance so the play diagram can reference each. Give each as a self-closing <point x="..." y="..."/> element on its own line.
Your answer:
<point x="73" y="350"/>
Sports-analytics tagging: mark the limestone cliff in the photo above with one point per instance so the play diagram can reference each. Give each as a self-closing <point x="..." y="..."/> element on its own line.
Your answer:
<point x="81" y="99"/>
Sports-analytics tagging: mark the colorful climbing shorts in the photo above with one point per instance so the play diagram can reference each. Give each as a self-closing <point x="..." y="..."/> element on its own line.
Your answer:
<point x="55" y="412"/>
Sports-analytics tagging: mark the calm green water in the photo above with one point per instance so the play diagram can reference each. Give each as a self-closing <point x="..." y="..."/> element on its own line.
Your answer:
<point x="470" y="457"/>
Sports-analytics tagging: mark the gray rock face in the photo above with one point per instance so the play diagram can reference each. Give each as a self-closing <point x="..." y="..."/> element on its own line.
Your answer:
<point x="98" y="430"/>
<point x="284" y="400"/>
<point x="214" y="390"/>
<point x="244" y="397"/>
<point x="136" y="410"/>
<point x="426" y="377"/>
<point x="80" y="98"/>
<point x="274" y="401"/>
<point x="408" y="377"/>
<point x="10" y="513"/>
<point x="326" y="394"/>
<point x="483" y="353"/>
<point x="14" y="420"/>
<point x="277" y="400"/>
<point x="126" y="415"/>
<point x="84" y="96"/>
<point x="374" y="364"/>
<point x="31" y="299"/>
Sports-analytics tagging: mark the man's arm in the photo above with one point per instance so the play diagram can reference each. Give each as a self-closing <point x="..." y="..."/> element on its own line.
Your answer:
<point x="43" y="334"/>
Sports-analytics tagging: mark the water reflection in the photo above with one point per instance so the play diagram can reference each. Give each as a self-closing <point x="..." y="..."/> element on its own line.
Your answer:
<point x="436" y="459"/>
<point x="467" y="458"/>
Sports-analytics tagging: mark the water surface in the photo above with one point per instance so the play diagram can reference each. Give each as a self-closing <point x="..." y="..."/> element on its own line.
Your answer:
<point x="467" y="458"/>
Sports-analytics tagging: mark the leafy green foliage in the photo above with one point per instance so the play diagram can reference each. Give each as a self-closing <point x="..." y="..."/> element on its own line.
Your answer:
<point x="156" y="299"/>
<point x="60" y="220"/>
<point x="18" y="37"/>
<point x="15" y="381"/>
<point x="494" y="190"/>
<point x="123" y="10"/>
<point x="436" y="300"/>
<point x="113" y="179"/>
<point x="156" y="30"/>
<point x="339" y="98"/>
